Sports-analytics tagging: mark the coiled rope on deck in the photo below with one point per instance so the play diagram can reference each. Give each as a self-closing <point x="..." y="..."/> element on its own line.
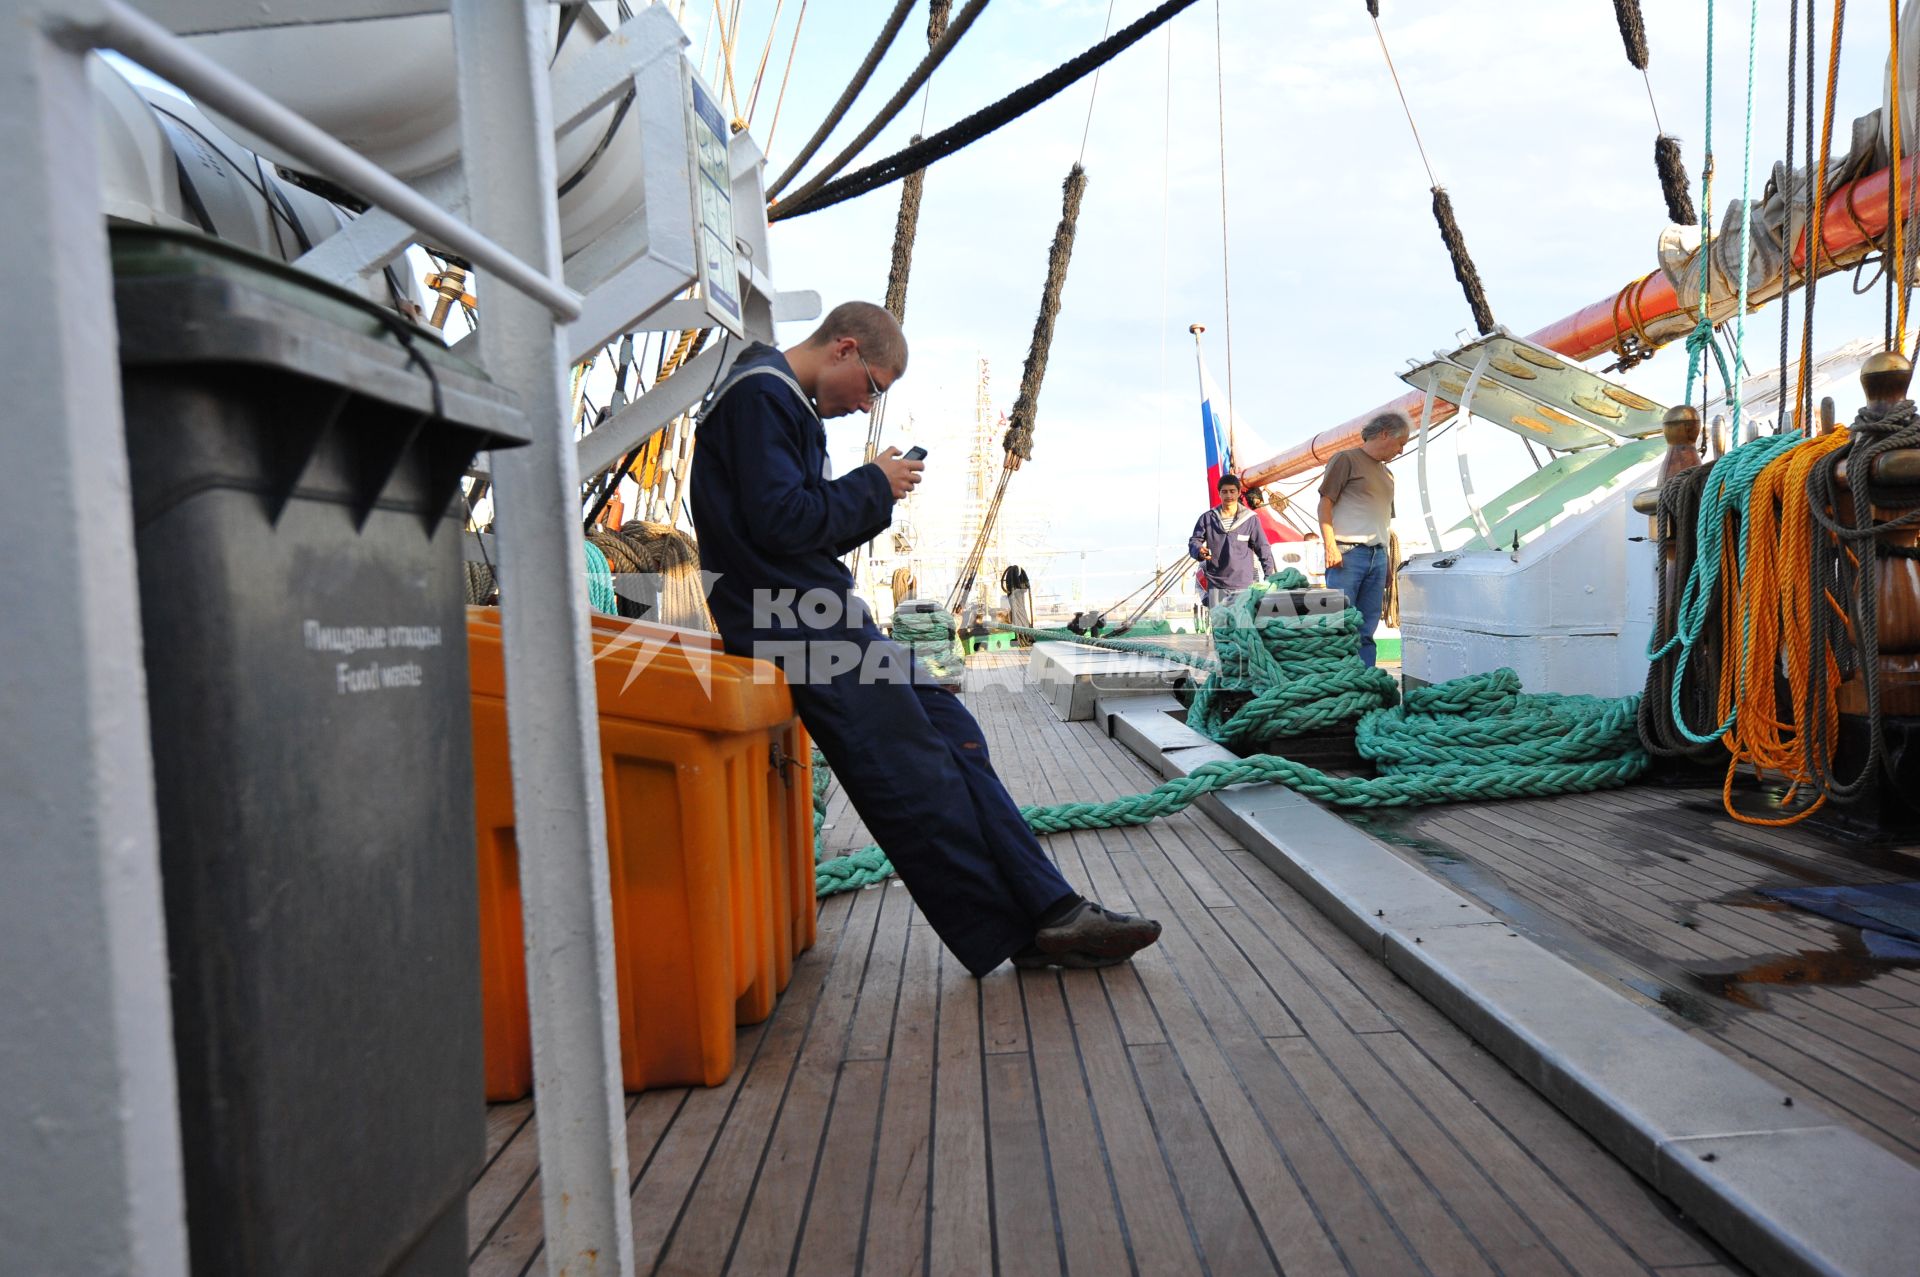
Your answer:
<point x="1284" y="676"/>
<point x="929" y="633"/>
<point x="1470" y="739"/>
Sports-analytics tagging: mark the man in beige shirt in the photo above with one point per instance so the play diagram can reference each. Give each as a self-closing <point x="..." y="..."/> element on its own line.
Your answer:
<point x="1356" y="520"/>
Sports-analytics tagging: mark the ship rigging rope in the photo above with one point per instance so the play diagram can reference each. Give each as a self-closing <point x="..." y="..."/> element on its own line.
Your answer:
<point x="1667" y="161"/>
<point x="1679" y="508"/>
<point x="1723" y="505"/>
<point x="1018" y="441"/>
<point x="949" y="39"/>
<point x="1896" y="213"/>
<point x="760" y="72"/>
<point x="1470" y="739"/>
<point x="726" y="62"/>
<point x="1795" y="591"/>
<point x="906" y="229"/>
<point x="1814" y="235"/>
<point x="1786" y="222"/>
<point x="838" y="110"/>
<point x="1226" y="261"/>
<point x="1701" y="339"/>
<point x="980" y="123"/>
<point x="1779" y="605"/>
<point x="785" y="76"/>
<point x="1852" y="575"/>
<point x="1463" y="268"/>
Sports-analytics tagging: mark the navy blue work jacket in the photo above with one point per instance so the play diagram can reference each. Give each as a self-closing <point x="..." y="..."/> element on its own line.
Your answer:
<point x="767" y="516"/>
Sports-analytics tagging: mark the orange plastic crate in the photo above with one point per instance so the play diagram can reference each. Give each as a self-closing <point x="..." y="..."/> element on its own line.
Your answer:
<point x="702" y="863"/>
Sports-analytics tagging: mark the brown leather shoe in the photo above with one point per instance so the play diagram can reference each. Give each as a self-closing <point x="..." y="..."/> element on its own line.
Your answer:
<point x="1096" y="931"/>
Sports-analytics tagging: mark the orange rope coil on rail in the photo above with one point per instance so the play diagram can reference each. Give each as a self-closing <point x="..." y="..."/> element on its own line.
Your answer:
<point x="1772" y="612"/>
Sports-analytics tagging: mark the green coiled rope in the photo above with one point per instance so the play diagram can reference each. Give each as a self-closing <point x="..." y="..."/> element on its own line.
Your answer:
<point x="1470" y="739"/>
<point x="600" y="595"/>
<point x="930" y="636"/>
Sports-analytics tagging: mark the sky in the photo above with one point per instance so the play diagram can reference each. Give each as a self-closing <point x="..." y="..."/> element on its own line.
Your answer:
<point x="1334" y="273"/>
<point x="1251" y="169"/>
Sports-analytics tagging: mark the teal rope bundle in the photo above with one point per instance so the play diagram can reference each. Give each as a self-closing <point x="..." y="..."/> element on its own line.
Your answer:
<point x="1471" y="739"/>
<point x="600" y="595"/>
<point x="822" y="783"/>
<point x="1277" y="677"/>
<point x="1723" y="505"/>
<point x="931" y="637"/>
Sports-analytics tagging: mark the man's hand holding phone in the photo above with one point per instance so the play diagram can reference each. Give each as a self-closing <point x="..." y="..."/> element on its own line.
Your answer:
<point x="902" y="471"/>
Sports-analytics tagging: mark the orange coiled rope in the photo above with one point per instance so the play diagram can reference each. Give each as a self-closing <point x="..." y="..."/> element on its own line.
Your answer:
<point x="1769" y="623"/>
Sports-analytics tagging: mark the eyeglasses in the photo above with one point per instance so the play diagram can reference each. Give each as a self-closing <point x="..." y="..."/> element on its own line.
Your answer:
<point x="874" y="393"/>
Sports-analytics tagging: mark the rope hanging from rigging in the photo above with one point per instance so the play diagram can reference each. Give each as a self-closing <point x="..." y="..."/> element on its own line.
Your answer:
<point x="1633" y="31"/>
<point x="1019" y="437"/>
<point x="1018" y="440"/>
<point x="1815" y="235"/>
<point x="1667" y="161"/>
<point x="839" y="109"/>
<point x="1463" y="267"/>
<point x="1674" y="184"/>
<point x="792" y="48"/>
<point x="907" y="226"/>
<point x="981" y="123"/>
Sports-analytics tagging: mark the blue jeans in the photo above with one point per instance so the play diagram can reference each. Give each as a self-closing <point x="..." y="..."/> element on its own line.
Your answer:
<point x="1362" y="577"/>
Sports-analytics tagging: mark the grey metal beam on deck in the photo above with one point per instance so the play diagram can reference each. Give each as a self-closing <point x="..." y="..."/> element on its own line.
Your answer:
<point x="90" y="1171"/>
<point x="507" y="144"/>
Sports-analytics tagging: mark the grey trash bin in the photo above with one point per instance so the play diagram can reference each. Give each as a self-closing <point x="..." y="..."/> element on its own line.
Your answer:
<point x="296" y="460"/>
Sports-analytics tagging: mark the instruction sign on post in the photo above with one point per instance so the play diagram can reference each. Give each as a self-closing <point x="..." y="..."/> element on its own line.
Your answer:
<point x="707" y="135"/>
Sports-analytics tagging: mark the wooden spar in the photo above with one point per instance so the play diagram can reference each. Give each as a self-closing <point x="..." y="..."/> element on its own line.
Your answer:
<point x="1855" y="216"/>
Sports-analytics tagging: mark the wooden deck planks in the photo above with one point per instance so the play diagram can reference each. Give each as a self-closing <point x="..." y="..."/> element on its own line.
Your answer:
<point x="1665" y="881"/>
<point x="1253" y="1094"/>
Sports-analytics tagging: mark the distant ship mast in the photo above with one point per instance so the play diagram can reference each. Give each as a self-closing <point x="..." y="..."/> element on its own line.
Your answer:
<point x="983" y="471"/>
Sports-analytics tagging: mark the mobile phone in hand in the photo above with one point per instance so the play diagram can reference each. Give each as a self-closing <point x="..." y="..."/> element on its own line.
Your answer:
<point x="915" y="453"/>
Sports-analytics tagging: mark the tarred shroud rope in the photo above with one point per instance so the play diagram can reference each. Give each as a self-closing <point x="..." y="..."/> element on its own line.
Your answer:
<point x="949" y="40"/>
<point x="1019" y="437"/>
<point x="1666" y="148"/>
<point x="860" y="77"/>
<point x="908" y="224"/>
<point x="1673" y="180"/>
<point x="1633" y="31"/>
<point x="1463" y="268"/>
<point x="981" y="122"/>
<point x="904" y="231"/>
<point x="1018" y="440"/>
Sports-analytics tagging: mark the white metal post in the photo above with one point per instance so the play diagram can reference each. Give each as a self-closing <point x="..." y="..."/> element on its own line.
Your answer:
<point x="1460" y="452"/>
<point x="90" y="1178"/>
<point x="507" y="145"/>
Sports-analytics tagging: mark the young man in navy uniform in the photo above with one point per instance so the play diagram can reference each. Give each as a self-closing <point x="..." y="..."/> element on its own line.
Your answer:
<point x="773" y="522"/>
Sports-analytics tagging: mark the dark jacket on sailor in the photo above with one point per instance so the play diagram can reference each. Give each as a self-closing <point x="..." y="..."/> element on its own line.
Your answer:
<point x="768" y="516"/>
<point x="1233" y="549"/>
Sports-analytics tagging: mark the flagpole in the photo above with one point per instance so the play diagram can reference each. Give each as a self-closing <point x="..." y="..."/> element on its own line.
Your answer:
<point x="1213" y="419"/>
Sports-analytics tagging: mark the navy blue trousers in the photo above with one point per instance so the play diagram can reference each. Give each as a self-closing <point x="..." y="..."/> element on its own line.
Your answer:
<point x="914" y="764"/>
